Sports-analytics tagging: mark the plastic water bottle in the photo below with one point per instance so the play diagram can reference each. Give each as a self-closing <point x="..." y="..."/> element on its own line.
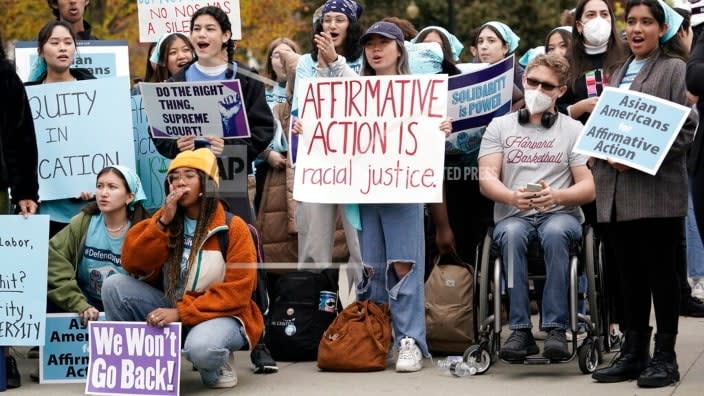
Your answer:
<point x="457" y="368"/>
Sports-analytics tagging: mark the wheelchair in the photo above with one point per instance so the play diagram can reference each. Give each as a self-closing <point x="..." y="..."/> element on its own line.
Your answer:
<point x="585" y="257"/>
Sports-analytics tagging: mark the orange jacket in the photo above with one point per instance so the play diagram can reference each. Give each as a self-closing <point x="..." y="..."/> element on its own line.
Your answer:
<point x="215" y="287"/>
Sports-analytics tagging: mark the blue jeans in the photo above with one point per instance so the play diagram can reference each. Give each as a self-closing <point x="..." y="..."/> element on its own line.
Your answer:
<point x="207" y="345"/>
<point x="556" y="233"/>
<point x="695" y="248"/>
<point x="394" y="233"/>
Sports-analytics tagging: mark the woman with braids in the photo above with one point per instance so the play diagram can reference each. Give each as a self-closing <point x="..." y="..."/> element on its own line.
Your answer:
<point x="211" y="35"/>
<point x="180" y="274"/>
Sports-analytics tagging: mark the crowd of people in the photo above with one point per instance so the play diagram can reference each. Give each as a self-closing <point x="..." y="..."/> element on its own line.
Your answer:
<point x="171" y="266"/>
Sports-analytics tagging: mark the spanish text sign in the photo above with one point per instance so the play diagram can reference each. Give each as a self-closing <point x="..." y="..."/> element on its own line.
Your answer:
<point x="632" y="128"/>
<point x="24" y="249"/>
<point x="82" y="127"/>
<point x="64" y="356"/>
<point x="371" y="139"/>
<point x="176" y="110"/>
<point x="159" y="17"/>
<point x="134" y="358"/>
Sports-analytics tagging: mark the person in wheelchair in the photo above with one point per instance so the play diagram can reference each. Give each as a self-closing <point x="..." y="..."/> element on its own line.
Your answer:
<point x="538" y="183"/>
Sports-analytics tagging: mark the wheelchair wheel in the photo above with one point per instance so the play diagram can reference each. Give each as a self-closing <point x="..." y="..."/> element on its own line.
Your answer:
<point x="594" y="287"/>
<point x="478" y="355"/>
<point x="589" y="356"/>
<point x="483" y="272"/>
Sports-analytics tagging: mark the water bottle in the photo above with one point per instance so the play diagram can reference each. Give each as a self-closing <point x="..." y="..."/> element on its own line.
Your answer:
<point x="457" y="368"/>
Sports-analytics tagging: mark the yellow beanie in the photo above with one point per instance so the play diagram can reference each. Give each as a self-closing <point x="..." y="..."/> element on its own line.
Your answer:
<point x="202" y="159"/>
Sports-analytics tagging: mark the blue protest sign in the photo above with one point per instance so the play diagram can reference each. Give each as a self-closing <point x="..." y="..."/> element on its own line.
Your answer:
<point x="151" y="166"/>
<point x="632" y="128"/>
<point x="103" y="58"/>
<point x="81" y="127"/>
<point x="64" y="356"/>
<point x="24" y="248"/>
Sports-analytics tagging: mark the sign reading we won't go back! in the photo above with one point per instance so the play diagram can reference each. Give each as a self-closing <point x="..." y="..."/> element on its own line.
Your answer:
<point x="371" y="139"/>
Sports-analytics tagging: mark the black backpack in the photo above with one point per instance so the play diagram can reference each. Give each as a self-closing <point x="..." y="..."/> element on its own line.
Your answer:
<point x="296" y="323"/>
<point x="260" y="295"/>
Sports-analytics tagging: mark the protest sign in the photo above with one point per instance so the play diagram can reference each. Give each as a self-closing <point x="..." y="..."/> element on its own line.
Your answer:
<point x="159" y="17"/>
<point x="103" y="58"/>
<point x="475" y="98"/>
<point x="64" y="356"/>
<point x="151" y="166"/>
<point x="82" y="127"/>
<point x="134" y="358"/>
<point x="631" y="128"/>
<point x="371" y="139"/>
<point x="24" y="248"/>
<point x="215" y="108"/>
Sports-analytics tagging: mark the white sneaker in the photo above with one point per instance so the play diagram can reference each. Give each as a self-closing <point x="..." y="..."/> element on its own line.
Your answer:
<point x="581" y="335"/>
<point x="227" y="376"/>
<point x="698" y="288"/>
<point x="409" y="356"/>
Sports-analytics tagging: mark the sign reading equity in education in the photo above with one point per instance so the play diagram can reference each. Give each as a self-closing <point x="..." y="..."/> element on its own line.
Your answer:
<point x="632" y="128"/>
<point x="134" y="358"/>
<point x="475" y="98"/>
<point x="24" y="248"/>
<point x="64" y="356"/>
<point x="103" y="58"/>
<point x="371" y="139"/>
<point x="214" y="108"/>
<point x="81" y="127"/>
<point x="151" y="166"/>
<point x="159" y="17"/>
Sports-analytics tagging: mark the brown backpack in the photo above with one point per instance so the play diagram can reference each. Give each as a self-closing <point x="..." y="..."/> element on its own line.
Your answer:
<point x="449" y="317"/>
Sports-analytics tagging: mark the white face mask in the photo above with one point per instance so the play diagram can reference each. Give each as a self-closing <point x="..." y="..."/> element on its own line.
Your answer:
<point x="597" y="31"/>
<point x="536" y="101"/>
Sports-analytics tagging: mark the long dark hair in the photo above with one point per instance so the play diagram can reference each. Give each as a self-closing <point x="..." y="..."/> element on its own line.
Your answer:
<point x="564" y="34"/>
<point x="580" y="62"/>
<point x="448" y="60"/>
<point x="352" y="48"/>
<point x="672" y="47"/>
<point x="221" y="18"/>
<point x="208" y="204"/>
<point x="162" y="72"/>
<point x="135" y="214"/>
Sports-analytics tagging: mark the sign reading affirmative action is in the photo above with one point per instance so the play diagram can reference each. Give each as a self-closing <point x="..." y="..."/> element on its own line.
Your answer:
<point x="176" y="110"/>
<point x="159" y="17"/>
<point x="81" y="127"/>
<point x="134" y="358"/>
<point x="632" y="128"/>
<point x="371" y="139"/>
<point x="24" y="251"/>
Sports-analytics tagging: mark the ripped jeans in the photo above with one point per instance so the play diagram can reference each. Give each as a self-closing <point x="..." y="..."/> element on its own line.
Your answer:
<point x="394" y="233"/>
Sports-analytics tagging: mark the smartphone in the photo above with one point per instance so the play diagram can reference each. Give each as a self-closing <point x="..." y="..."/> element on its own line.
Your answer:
<point x="532" y="187"/>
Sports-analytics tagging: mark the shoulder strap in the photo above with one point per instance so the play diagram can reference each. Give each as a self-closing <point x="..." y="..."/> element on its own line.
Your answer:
<point x="224" y="237"/>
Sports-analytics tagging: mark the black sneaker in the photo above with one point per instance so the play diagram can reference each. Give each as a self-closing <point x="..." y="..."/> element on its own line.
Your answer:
<point x="556" y="345"/>
<point x="690" y="306"/>
<point x="519" y="345"/>
<point x="14" y="380"/>
<point x="262" y="361"/>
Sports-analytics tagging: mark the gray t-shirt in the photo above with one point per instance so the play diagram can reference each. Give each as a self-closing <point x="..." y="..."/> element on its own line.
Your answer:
<point x="532" y="153"/>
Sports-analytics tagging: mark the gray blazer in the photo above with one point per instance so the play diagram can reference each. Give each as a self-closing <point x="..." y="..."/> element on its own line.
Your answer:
<point x="633" y="194"/>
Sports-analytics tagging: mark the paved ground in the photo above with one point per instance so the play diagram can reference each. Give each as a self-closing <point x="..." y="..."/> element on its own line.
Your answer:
<point x="501" y="379"/>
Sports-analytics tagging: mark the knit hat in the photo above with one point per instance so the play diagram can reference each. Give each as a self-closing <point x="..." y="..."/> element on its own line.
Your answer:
<point x="348" y="7"/>
<point x="202" y="159"/>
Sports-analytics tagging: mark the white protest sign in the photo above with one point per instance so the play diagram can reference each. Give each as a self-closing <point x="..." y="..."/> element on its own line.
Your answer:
<point x="371" y="139"/>
<point x="202" y="108"/>
<point x="159" y="17"/>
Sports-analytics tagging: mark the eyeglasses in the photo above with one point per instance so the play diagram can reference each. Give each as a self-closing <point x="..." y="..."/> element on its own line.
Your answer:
<point x="533" y="83"/>
<point x="187" y="176"/>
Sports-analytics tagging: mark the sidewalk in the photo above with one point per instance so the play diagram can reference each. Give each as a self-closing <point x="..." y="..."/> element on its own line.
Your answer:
<point x="500" y="379"/>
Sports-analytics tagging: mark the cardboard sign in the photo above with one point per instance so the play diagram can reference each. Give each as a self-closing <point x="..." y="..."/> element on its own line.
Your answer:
<point x="159" y="17"/>
<point x="371" y="139"/>
<point x="24" y="248"/>
<point x="632" y="128"/>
